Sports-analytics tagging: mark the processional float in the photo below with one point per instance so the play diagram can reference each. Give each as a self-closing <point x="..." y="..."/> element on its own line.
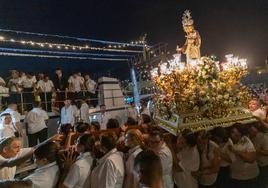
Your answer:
<point x="200" y="93"/>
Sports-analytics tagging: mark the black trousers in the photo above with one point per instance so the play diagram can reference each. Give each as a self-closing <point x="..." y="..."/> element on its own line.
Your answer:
<point x="223" y="179"/>
<point x="28" y="98"/>
<point x="60" y="99"/>
<point x="263" y="177"/>
<point x="251" y="183"/>
<point x="39" y="136"/>
<point x="46" y="101"/>
<point x="208" y="186"/>
<point x="93" y="98"/>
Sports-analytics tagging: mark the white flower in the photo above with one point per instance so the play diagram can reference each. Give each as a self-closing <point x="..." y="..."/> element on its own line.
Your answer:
<point x="226" y="96"/>
<point x="206" y="67"/>
<point x="219" y="97"/>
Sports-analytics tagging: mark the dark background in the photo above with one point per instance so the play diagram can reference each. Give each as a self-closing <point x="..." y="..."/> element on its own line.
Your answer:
<point x="229" y="26"/>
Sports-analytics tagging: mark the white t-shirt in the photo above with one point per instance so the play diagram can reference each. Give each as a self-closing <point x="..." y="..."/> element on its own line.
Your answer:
<point x="103" y="120"/>
<point x="9" y="172"/>
<point x="189" y="162"/>
<point x="260" y="113"/>
<point x="225" y="150"/>
<point x="241" y="170"/>
<point x="13" y="82"/>
<point x="79" y="172"/>
<point x="260" y="142"/>
<point x="45" y="177"/>
<point x="15" y="115"/>
<point x="166" y="158"/>
<point x="84" y="113"/>
<point x="75" y="83"/>
<point x="81" y="78"/>
<point x="6" y="130"/>
<point x="90" y="86"/>
<point x="109" y="172"/>
<point x="132" y="112"/>
<point x="45" y="86"/>
<point x="28" y="82"/>
<point x="206" y="161"/>
<point x="68" y="115"/>
<point x="2" y="80"/>
<point x="4" y="91"/>
<point x="130" y="178"/>
<point x="36" y="120"/>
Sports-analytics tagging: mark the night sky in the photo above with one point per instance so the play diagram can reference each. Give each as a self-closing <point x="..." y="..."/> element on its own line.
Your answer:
<point x="229" y="26"/>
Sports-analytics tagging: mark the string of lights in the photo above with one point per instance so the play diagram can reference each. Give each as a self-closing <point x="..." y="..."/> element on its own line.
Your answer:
<point x="61" y="57"/>
<point x="17" y="50"/>
<point x="65" y="46"/>
<point x="133" y="43"/>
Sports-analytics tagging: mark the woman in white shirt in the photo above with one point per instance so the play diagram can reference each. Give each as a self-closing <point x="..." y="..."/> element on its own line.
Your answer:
<point x="259" y="138"/>
<point x="47" y="173"/>
<point x="77" y="176"/>
<point x="244" y="168"/>
<point x="220" y="136"/>
<point x="186" y="160"/>
<point x="134" y="141"/>
<point x="209" y="161"/>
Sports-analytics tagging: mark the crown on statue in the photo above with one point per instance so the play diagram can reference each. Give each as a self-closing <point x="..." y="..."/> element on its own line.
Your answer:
<point x="187" y="18"/>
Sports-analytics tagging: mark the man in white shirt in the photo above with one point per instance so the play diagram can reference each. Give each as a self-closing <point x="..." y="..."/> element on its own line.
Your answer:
<point x="4" y="92"/>
<point x="36" y="124"/>
<point x="78" y="176"/>
<point x="46" y="87"/>
<point x="76" y="84"/>
<point x="12" y="155"/>
<point x="81" y="77"/>
<point x="91" y="86"/>
<point x="28" y="85"/>
<point x="147" y="166"/>
<point x="68" y="113"/>
<point x="157" y="144"/>
<point x="109" y="172"/>
<point x="104" y="117"/>
<point x="244" y="169"/>
<point x="259" y="138"/>
<point x="15" y="115"/>
<point x="132" y="112"/>
<point x="14" y="85"/>
<point x="47" y="173"/>
<point x="254" y="107"/>
<point x="2" y="82"/>
<point x="84" y="111"/>
<point x="6" y="126"/>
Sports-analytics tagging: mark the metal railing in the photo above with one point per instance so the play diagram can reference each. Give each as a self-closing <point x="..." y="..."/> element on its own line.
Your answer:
<point x="53" y="100"/>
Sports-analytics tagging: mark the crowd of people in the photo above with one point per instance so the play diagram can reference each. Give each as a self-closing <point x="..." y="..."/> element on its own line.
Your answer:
<point x="259" y="91"/>
<point x="25" y="88"/>
<point x="105" y="154"/>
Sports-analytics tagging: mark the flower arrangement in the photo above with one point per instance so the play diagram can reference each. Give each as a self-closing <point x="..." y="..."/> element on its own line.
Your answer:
<point x="202" y="86"/>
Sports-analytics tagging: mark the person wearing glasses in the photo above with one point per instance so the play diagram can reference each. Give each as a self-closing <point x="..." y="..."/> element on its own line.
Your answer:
<point x="158" y="145"/>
